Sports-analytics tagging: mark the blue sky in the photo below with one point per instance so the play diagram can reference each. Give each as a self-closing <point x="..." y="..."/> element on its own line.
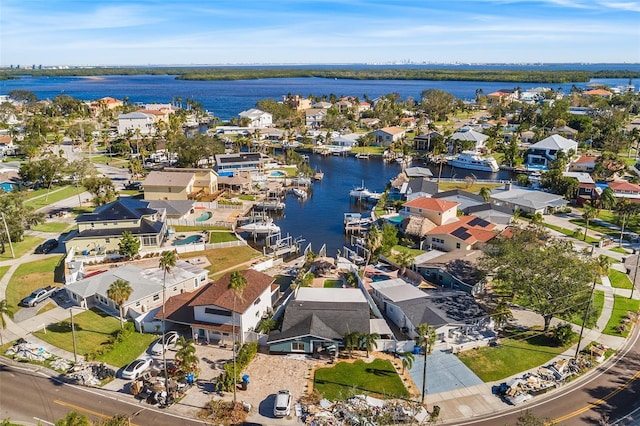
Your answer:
<point x="212" y="32"/>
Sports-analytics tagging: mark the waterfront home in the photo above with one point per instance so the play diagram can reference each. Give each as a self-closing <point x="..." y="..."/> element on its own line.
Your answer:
<point x="541" y="154"/>
<point x="587" y="189"/>
<point x="318" y="318"/>
<point x="99" y="232"/>
<point x="424" y="141"/>
<point x="147" y="285"/>
<point x="388" y="135"/>
<point x="527" y="200"/>
<point x="418" y="172"/>
<point x="464" y="199"/>
<point x="136" y="122"/>
<point x="502" y="97"/>
<point x="240" y="162"/>
<point x="602" y="93"/>
<point x="466" y="233"/>
<point x="215" y="311"/>
<point x="474" y="205"/>
<point x="296" y="102"/>
<point x="179" y="184"/>
<point x="469" y="139"/>
<point x="624" y="189"/>
<point x="314" y="117"/>
<point x="104" y="104"/>
<point x="457" y="270"/>
<point x="584" y="164"/>
<point x="347" y="140"/>
<point x="451" y="313"/>
<point x="257" y="118"/>
<point x="439" y="212"/>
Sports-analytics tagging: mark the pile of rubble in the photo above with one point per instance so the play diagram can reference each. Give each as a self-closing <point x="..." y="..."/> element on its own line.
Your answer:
<point x="521" y="389"/>
<point x="90" y="374"/>
<point x="25" y="351"/>
<point x="361" y="410"/>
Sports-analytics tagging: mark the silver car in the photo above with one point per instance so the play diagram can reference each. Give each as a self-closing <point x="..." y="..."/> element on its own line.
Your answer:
<point x="170" y="341"/>
<point x="282" y="406"/>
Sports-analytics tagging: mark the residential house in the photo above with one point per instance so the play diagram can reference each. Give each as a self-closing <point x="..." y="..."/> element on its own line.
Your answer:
<point x="388" y="135"/>
<point x="624" y="189"/>
<point x="100" y="232"/>
<point x="296" y="102"/>
<point x="439" y="212"/>
<point x="318" y="318"/>
<point x="146" y="284"/>
<point x="314" y="117"/>
<point x="425" y="141"/>
<point x="257" y="118"/>
<point x="215" y="312"/>
<point x="408" y="189"/>
<point x="104" y="104"/>
<point x="584" y="164"/>
<point x="502" y="97"/>
<point x="542" y="153"/>
<point x="565" y="131"/>
<point x="470" y="139"/>
<point x="457" y="270"/>
<point x="179" y="184"/>
<point x="466" y="233"/>
<point x="451" y="313"/>
<point x="239" y="162"/>
<point x="471" y="204"/>
<point x="348" y="140"/>
<point x="6" y="146"/>
<point x="369" y="123"/>
<point x="464" y="199"/>
<point x="418" y="172"/>
<point x="527" y="200"/>
<point x="134" y="122"/>
<point x="602" y="93"/>
<point x="587" y="189"/>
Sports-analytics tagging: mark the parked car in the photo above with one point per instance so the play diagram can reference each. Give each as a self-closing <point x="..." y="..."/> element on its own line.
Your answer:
<point x="37" y="296"/>
<point x="135" y="185"/>
<point x="47" y="246"/>
<point x="135" y="368"/>
<point x="170" y="341"/>
<point x="282" y="406"/>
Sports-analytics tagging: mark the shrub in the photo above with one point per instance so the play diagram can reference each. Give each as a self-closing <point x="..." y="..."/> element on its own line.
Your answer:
<point x="563" y="334"/>
<point x="244" y="357"/>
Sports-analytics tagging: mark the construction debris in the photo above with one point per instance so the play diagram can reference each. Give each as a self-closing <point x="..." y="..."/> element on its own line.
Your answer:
<point x="90" y="374"/>
<point x="24" y="350"/>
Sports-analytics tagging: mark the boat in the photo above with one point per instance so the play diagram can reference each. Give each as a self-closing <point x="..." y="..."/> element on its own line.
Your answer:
<point x="260" y="227"/>
<point x="362" y="156"/>
<point x="404" y="159"/>
<point x="472" y="160"/>
<point x="300" y="193"/>
<point x="319" y="175"/>
<point x="360" y="192"/>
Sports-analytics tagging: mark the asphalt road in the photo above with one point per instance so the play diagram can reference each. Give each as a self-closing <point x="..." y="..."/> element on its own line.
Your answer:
<point x="605" y="395"/>
<point x="30" y="398"/>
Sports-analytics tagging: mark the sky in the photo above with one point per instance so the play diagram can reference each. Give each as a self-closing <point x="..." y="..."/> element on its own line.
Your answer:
<point x="222" y="32"/>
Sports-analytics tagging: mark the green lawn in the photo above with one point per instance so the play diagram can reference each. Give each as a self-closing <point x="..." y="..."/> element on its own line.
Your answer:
<point x="28" y="277"/>
<point x="619" y="250"/>
<point x="621" y="306"/>
<point x="596" y="311"/>
<point x="475" y="188"/>
<point x="224" y="258"/>
<point x="57" y="227"/>
<point x="572" y="233"/>
<point x="40" y="199"/>
<point x="93" y="330"/>
<point x="414" y="252"/>
<point x="222" y="237"/>
<point x="619" y="279"/>
<point x="378" y="378"/>
<point x="519" y="352"/>
<point x="332" y="284"/>
<point x="21" y="247"/>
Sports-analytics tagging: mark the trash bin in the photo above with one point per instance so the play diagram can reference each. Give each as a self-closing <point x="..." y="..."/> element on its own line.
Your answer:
<point x="245" y="382"/>
<point x="190" y="378"/>
<point x="416" y="350"/>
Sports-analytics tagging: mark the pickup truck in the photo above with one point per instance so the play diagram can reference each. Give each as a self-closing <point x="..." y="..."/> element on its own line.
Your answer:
<point x="38" y="296"/>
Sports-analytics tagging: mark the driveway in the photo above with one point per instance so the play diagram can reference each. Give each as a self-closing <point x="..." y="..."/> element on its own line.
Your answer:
<point x="445" y="372"/>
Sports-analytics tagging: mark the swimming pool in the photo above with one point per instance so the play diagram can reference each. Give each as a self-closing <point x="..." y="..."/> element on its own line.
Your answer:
<point x="380" y="277"/>
<point x="204" y="216"/>
<point x="277" y="173"/>
<point x="395" y="220"/>
<point x="191" y="239"/>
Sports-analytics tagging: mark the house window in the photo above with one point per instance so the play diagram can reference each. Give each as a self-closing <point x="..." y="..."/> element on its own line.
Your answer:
<point x="214" y="311"/>
<point x="257" y="301"/>
<point x="457" y="245"/>
<point x="156" y="297"/>
<point x="93" y="225"/>
<point x="107" y="240"/>
<point x="105" y="224"/>
<point x="297" y="346"/>
<point x="137" y="304"/>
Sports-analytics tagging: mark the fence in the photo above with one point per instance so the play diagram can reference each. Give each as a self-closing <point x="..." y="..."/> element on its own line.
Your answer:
<point x="196" y="224"/>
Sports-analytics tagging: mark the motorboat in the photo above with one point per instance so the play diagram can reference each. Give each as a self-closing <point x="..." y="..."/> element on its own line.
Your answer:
<point x="472" y="160"/>
<point x="300" y="193"/>
<point x="360" y="192"/>
<point x="260" y="227"/>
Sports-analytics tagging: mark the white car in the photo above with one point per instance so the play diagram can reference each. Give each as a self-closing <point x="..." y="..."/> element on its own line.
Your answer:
<point x="135" y="368"/>
<point x="282" y="406"/>
<point x="170" y="341"/>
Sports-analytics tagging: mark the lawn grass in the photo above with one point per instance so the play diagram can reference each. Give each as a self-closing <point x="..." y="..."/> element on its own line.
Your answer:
<point x="28" y="277"/>
<point x="332" y="284"/>
<point x="3" y="270"/>
<point x="572" y="233"/>
<point x="21" y="247"/>
<point x="596" y="310"/>
<point x="94" y="329"/>
<point x="378" y="378"/>
<point x="621" y="306"/>
<point x="414" y="252"/>
<point x="517" y="352"/>
<point x="475" y="188"/>
<point x="222" y="237"/>
<point x="224" y="258"/>
<point x="619" y="250"/>
<point x="56" y="227"/>
<point x="619" y="279"/>
<point x="54" y="196"/>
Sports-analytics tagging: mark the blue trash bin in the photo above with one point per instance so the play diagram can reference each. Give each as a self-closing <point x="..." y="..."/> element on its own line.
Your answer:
<point x="190" y="378"/>
<point x="416" y="350"/>
<point x="245" y="381"/>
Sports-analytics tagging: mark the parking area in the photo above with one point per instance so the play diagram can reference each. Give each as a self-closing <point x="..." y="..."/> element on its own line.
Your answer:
<point x="445" y="372"/>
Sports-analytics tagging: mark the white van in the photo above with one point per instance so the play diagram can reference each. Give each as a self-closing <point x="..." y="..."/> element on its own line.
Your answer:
<point x="282" y="406"/>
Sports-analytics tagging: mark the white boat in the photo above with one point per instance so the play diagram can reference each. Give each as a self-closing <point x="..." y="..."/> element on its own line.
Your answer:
<point x="404" y="159"/>
<point x="362" y="156"/>
<point x="259" y="227"/>
<point x="300" y="193"/>
<point x="472" y="160"/>
<point x="360" y="192"/>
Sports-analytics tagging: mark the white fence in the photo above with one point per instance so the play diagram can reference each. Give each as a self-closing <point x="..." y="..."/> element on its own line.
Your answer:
<point x="196" y="224"/>
<point x="390" y="345"/>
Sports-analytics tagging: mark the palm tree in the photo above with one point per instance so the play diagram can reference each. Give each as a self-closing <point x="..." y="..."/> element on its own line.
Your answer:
<point x="426" y="339"/>
<point x="608" y="199"/>
<point x="485" y="193"/>
<point x="404" y="259"/>
<point x="373" y="242"/>
<point x="167" y="263"/>
<point x="350" y="340"/>
<point x="119" y="291"/>
<point x="237" y="284"/>
<point x="407" y="361"/>
<point x="4" y="310"/>
<point x="368" y="342"/>
<point x="602" y="265"/>
<point x="186" y="357"/>
<point x="588" y="214"/>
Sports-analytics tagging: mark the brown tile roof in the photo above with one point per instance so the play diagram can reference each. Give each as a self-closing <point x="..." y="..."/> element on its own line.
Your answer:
<point x="218" y="294"/>
<point x="598" y="92"/>
<point x="623" y="185"/>
<point x="585" y="159"/>
<point x="392" y="130"/>
<point x="434" y="204"/>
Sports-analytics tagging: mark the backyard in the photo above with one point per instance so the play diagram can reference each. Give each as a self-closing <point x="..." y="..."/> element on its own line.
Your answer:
<point x="223" y="258"/>
<point x="377" y="378"/>
<point x="28" y="277"/>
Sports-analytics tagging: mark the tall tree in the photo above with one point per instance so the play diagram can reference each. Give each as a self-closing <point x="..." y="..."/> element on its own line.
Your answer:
<point x="547" y="276"/>
<point x="485" y="193"/>
<point x="129" y="244"/>
<point x="373" y="243"/>
<point x="368" y="341"/>
<point x="404" y="259"/>
<point x="119" y="291"/>
<point x="186" y="357"/>
<point x="407" y="361"/>
<point x="18" y="216"/>
<point x="237" y="284"/>
<point x="167" y="263"/>
<point x="588" y="214"/>
<point x="73" y="418"/>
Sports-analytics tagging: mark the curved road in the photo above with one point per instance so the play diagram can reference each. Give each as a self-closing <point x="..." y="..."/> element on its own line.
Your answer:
<point x="609" y="394"/>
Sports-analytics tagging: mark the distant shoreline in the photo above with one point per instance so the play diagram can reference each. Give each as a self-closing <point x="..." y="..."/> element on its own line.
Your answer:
<point x="495" y="74"/>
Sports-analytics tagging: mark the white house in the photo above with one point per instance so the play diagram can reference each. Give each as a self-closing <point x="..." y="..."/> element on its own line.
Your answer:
<point x="136" y="121"/>
<point x="542" y="153"/>
<point x="257" y="118"/>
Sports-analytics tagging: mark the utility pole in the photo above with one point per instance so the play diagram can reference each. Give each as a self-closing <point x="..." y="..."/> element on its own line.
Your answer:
<point x="586" y="316"/>
<point x="6" y="228"/>
<point x="635" y="274"/>
<point x="73" y="337"/>
<point x="424" y="368"/>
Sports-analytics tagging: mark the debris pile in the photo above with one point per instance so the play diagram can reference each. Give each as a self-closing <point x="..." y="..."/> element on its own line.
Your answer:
<point x="24" y="350"/>
<point x="360" y="410"/>
<point x="521" y="389"/>
<point x="90" y="374"/>
<point x="152" y="389"/>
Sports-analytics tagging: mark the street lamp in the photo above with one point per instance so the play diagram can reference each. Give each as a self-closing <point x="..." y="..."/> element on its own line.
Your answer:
<point x="424" y="367"/>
